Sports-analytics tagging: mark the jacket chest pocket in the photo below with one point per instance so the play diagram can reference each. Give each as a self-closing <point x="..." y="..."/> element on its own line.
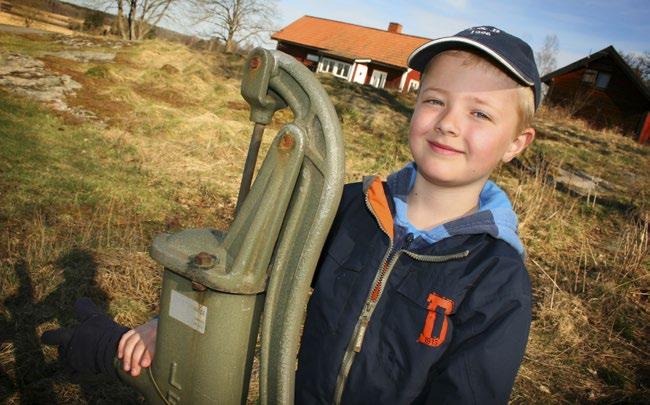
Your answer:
<point x="417" y="327"/>
<point x="338" y="274"/>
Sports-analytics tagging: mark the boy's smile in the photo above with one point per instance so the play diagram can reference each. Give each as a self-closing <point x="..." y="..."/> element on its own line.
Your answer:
<point x="443" y="149"/>
<point x="465" y="121"/>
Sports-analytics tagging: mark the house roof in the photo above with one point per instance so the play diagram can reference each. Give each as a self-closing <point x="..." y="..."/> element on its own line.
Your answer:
<point x="586" y="61"/>
<point x="353" y="41"/>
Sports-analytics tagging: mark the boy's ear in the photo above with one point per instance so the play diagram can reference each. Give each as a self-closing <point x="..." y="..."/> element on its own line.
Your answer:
<point x="518" y="144"/>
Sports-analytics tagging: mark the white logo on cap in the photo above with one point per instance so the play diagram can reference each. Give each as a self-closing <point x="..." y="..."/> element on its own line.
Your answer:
<point x="485" y="31"/>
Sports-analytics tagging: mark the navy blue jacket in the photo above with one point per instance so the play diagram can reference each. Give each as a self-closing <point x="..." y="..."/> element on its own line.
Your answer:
<point x="444" y="322"/>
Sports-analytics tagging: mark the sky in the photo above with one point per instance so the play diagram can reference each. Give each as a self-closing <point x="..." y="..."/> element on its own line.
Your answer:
<point x="582" y="27"/>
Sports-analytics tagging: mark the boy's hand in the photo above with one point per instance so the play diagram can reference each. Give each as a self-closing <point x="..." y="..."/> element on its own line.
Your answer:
<point x="137" y="347"/>
<point x="89" y="347"/>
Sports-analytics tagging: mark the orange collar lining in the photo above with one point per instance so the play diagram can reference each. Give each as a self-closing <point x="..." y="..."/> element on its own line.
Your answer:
<point x="379" y="204"/>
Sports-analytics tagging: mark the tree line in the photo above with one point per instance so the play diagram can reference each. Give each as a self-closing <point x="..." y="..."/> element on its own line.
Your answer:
<point x="233" y="22"/>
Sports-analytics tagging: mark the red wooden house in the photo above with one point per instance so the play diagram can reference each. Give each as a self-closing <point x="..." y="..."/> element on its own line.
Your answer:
<point x="353" y="52"/>
<point x="603" y="89"/>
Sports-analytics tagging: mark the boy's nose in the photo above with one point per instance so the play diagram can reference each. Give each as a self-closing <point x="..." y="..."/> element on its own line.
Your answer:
<point x="447" y="122"/>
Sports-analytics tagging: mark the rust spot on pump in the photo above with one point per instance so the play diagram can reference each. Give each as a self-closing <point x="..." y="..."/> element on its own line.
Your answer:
<point x="286" y="142"/>
<point x="254" y="63"/>
<point x="204" y="260"/>
<point x="196" y="286"/>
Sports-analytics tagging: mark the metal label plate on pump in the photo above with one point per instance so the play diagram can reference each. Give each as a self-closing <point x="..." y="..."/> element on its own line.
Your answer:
<point x="188" y="311"/>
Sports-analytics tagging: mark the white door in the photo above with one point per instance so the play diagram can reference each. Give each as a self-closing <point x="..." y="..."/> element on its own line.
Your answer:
<point x="378" y="79"/>
<point x="360" y="74"/>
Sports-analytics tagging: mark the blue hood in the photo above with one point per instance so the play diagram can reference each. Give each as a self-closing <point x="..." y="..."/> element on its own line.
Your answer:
<point x="494" y="217"/>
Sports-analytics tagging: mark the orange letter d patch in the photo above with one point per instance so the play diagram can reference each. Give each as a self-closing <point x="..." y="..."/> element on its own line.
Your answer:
<point x="435" y="326"/>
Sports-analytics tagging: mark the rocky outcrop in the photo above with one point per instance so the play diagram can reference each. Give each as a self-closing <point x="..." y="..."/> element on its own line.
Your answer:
<point x="78" y="42"/>
<point x="27" y="76"/>
<point x="84" y="56"/>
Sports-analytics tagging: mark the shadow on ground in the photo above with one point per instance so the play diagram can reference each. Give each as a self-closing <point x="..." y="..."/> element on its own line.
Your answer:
<point x="34" y="379"/>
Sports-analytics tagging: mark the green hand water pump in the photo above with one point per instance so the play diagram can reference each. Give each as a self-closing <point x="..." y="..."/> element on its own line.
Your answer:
<point x="216" y="285"/>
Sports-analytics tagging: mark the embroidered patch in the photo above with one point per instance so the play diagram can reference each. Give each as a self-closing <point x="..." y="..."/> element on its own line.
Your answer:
<point x="435" y="325"/>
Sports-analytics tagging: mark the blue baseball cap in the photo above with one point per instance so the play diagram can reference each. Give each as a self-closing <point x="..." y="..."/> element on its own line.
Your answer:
<point x="507" y="51"/>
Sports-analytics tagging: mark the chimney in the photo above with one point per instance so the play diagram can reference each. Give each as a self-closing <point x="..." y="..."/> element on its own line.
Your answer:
<point x="395" y="27"/>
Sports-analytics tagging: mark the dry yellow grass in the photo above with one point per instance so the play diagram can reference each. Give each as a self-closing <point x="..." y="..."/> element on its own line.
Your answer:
<point x="10" y="19"/>
<point x="79" y="204"/>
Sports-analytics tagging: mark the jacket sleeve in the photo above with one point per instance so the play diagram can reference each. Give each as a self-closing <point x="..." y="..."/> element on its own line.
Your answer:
<point x="490" y="334"/>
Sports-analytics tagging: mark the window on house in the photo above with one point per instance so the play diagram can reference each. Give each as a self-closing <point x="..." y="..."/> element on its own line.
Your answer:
<point x="414" y="85"/>
<point x="378" y="79"/>
<point x="346" y="70"/>
<point x="335" y="67"/>
<point x="312" y="57"/>
<point x="322" y="67"/>
<point x="603" y="80"/>
<point x="589" y="76"/>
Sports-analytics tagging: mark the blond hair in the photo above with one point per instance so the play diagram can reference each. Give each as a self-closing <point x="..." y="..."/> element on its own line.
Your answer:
<point x="526" y="104"/>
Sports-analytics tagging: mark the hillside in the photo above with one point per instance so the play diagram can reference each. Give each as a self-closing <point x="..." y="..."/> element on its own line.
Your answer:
<point x="69" y="19"/>
<point x="132" y="140"/>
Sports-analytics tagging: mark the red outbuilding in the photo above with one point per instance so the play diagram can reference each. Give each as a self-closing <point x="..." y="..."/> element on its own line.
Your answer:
<point x="353" y="52"/>
<point x="603" y="89"/>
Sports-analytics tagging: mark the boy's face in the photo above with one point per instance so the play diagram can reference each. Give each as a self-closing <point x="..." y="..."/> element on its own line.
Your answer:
<point x="465" y="121"/>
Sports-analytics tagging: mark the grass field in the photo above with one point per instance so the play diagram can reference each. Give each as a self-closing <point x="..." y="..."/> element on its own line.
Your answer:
<point x="81" y="201"/>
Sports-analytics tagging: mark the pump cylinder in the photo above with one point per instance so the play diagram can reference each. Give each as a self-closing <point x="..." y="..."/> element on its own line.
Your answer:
<point x="213" y="336"/>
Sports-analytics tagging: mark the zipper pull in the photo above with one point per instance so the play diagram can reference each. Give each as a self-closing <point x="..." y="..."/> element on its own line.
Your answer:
<point x="358" y="339"/>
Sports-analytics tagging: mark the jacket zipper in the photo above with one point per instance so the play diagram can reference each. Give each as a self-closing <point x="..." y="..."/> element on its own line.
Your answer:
<point x="385" y="268"/>
<point x="355" y="343"/>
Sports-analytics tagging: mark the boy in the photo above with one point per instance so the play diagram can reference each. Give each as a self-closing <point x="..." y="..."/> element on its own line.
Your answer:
<point x="421" y="294"/>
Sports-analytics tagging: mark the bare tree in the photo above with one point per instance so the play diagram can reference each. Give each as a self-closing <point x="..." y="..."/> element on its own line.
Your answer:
<point x="237" y="21"/>
<point x="120" y="19"/>
<point x="547" y="56"/>
<point x="151" y="12"/>
<point x="136" y="18"/>
<point x="640" y="64"/>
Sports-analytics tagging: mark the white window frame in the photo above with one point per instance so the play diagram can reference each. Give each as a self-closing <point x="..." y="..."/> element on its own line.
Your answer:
<point x="414" y="85"/>
<point x="381" y="76"/>
<point x="335" y="67"/>
<point x="403" y="79"/>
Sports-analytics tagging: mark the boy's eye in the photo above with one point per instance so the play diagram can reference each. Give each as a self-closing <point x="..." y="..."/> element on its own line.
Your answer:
<point x="433" y="101"/>
<point x="481" y="115"/>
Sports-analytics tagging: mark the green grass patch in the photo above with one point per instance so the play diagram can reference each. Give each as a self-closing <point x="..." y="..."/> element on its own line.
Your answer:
<point x="98" y="72"/>
<point x="48" y="165"/>
<point x="27" y="44"/>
